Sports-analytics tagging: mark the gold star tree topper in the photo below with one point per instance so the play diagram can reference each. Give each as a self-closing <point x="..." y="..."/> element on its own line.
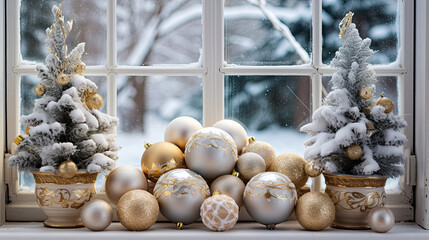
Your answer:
<point x="344" y="24"/>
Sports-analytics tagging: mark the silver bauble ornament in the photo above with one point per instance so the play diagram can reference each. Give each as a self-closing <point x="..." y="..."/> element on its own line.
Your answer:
<point x="229" y="185"/>
<point x="381" y="219"/>
<point x="270" y="198"/>
<point x="265" y="150"/>
<point x="122" y="180"/>
<point x="180" y="130"/>
<point x="249" y="165"/>
<point x="96" y="215"/>
<point x="236" y="130"/>
<point x="180" y="193"/>
<point x="211" y="152"/>
<point x="312" y="170"/>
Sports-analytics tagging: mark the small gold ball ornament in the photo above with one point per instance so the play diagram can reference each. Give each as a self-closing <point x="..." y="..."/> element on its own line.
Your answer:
<point x="366" y="92"/>
<point x="312" y="170"/>
<point x="124" y="179"/>
<point x="291" y="165"/>
<point x="40" y="89"/>
<point x="229" y="185"/>
<point x="381" y="219"/>
<point x="315" y="211"/>
<point x="265" y="150"/>
<point x="249" y="165"/>
<point x="96" y="215"/>
<point x="219" y="212"/>
<point x="94" y="101"/>
<point x="354" y="152"/>
<point x="67" y="169"/>
<point x="137" y="210"/>
<point x="80" y="68"/>
<point x="63" y="79"/>
<point x="386" y="103"/>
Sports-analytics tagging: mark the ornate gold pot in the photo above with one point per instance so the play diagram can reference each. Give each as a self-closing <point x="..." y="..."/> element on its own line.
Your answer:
<point x="61" y="198"/>
<point x="354" y="197"/>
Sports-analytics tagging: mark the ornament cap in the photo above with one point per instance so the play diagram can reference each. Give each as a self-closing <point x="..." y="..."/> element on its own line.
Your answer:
<point x="235" y="173"/>
<point x="179" y="225"/>
<point x="251" y="139"/>
<point x="147" y="145"/>
<point x="216" y="193"/>
<point x="18" y="139"/>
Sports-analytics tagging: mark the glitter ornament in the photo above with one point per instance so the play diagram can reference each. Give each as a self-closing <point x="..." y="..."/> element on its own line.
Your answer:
<point x="219" y="212"/>
<point x="62" y="79"/>
<point x="312" y="170"/>
<point x="366" y="93"/>
<point x="40" y="89"/>
<point x="315" y="211"/>
<point x="291" y="165"/>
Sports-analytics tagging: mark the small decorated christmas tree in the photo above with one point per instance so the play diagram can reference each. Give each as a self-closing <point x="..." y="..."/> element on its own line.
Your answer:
<point x="352" y="133"/>
<point x="66" y="124"/>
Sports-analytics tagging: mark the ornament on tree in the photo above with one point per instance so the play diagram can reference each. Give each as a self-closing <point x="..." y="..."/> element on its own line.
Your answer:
<point x="62" y="79"/>
<point x="211" y="152"/>
<point x="236" y="130"/>
<point x="137" y="210"/>
<point x="354" y="152"/>
<point x="18" y="140"/>
<point x="229" y="185"/>
<point x="80" y="68"/>
<point x="386" y="103"/>
<point x="67" y="169"/>
<point x="315" y="211"/>
<point x="370" y="129"/>
<point x="347" y="20"/>
<point x="367" y="111"/>
<point x="180" y="193"/>
<point x="293" y="166"/>
<point x="122" y="180"/>
<point x="366" y="92"/>
<point x="381" y="219"/>
<point x="96" y="215"/>
<point x="265" y="150"/>
<point x="312" y="170"/>
<point x="270" y="198"/>
<point x="249" y="165"/>
<point x="27" y="130"/>
<point x="40" y="90"/>
<point x="219" y="212"/>
<point x="160" y="158"/>
<point x="180" y="129"/>
<point x="93" y="100"/>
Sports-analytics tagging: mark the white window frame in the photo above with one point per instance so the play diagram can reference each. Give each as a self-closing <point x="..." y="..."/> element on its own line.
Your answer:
<point x="22" y="205"/>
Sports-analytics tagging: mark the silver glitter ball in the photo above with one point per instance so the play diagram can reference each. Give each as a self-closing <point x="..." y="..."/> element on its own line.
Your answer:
<point x="96" y="215"/>
<point x="381" y="219"/>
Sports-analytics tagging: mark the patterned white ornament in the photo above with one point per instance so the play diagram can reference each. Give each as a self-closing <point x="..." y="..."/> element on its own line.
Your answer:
<point x="219" y="212"/>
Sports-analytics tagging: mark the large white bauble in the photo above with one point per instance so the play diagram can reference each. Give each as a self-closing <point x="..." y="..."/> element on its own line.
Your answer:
<point x="180" y="129"/>
<point x="236" y="130"/>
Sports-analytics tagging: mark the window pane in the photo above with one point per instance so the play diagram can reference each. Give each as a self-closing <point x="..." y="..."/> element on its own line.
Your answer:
<point x="89" y="26"/>
<point x="376" y="19"/>
<point x="252" y="39"/>
<point x="158" y="32"/>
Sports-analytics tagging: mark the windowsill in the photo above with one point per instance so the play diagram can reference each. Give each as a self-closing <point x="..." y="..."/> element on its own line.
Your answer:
<point x="243" y="230"/>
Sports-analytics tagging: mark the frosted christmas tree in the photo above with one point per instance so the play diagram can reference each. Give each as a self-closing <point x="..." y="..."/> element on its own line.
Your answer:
<point x="66" y="124"/>
<point x="353" y="133"/>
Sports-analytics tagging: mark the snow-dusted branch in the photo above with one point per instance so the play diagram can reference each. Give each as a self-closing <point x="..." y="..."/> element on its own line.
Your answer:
<point x="278" y="25"/>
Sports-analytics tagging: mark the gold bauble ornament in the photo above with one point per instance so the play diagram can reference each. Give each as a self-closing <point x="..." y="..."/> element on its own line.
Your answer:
<point x="96" y="215"/>
<point x="249" y="165"/>
<point x="381" y="219"/>
<point x="369" y="125"/>
<point x="354" y="152"/>
<point x="94" y="101"/>
<point x="229" y="185"/>
<point x="80" y="68"/>
<point x="67" y="169"/>
<point x="291" y="165"/>
<point x="315" y="211"/>
<point x="40" y="89"/>
<point x="180" y="129"/>
<point x="63" y="79"/>
<point x="160" y="158"/>
<point x="219" y="212"/>
<point x="366" y="92"/>
<point x="265" y="150"/>
<point x="137" y="210"/>
<point x="367" y="111"/>
<point x="312" y="170"/>
<point x="386" y="103"/>
<point x="236" y="130"/>
<point x="305" y="189"/>
<point x="122" y="180"/>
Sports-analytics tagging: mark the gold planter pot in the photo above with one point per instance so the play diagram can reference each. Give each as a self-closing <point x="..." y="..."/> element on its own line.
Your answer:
<point x="354" y="197"/>
<point x="61" y="198"/>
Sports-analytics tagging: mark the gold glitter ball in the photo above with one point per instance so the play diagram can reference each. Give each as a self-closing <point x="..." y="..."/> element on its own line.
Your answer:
<point x="312" y="170"/>
<point x="315" y="211"/>
<point x="291" y="165"/>
<point x="40" y="89"/>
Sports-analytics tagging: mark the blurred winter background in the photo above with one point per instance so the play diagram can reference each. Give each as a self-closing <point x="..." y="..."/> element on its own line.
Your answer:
<point x="151" y="32"/>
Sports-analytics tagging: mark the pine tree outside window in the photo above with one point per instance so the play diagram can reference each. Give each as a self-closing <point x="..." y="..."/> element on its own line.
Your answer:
<point x="244" y="57"/>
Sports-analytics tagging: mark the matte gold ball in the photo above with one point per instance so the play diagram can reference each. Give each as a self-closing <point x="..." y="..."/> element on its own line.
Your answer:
<point x="315" y="211"/>
<point x="67" y="169"/>
<point x="219" y="212"/>
<point x="180" y="129"/>
<point x="265" y="150"/>
<point x="229" y="185"/>
<point x="236" y="130"/>
<point x="94" y="101"/>
<point x="354" y="152"/>
<point x="312" y="170"/>
<point x="63" y="79"/>
<point x="80" y="68"/>
<point x="96" y="215"/>
<point x="249" y="165"/>
<point x="381" y="219"/>
<point x="160" y="158"/>
<point x="40" y="89"/>
<point x="386" y="103"/>
<point x="137" y="210"/>
<point x="122" y="180"/>
<point x="366" y="92"/>
<point x="291" y="165"/>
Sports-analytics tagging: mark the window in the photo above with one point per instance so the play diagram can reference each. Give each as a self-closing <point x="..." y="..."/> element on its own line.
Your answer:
<point x="264" y="64"/>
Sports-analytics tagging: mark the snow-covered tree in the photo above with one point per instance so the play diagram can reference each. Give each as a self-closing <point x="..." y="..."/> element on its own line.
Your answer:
<point x="352" y="133"/>
<point x="65" y="122"/>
